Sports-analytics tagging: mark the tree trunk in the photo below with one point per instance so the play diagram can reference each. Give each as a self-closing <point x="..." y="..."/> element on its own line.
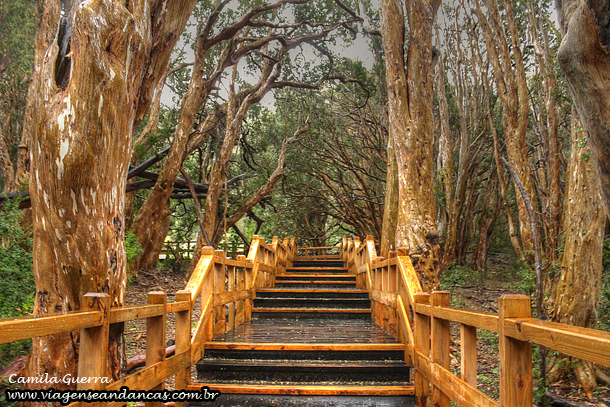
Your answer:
<point x="410" y="95"/>
<point x="584" y="222"/>
<point x="445" y="166"/>
<point x="513" y="93"/>
<point x="390" y="209"/>
<point x="584" y="56"/>
<point x="91" y="86"/>
<point x="152" y="221"/>
<point x="550" y="134"/>
<point x="491" y="207"/>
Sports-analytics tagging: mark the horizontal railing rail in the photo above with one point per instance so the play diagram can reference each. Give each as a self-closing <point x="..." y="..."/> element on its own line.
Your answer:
<point x="422" y="322"/>
<point x="224" y="287"/>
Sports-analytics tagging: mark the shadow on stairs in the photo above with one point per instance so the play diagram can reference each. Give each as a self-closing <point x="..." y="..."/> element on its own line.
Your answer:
<point x="311" y="342"/>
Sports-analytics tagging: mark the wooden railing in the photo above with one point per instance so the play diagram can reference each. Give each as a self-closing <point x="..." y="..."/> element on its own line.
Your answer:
<point x="185" y="250"/>
<point x="421" y="321"/>
<point x="225" y="287"/>
<point x="318" y="252"/>
<point x="178" y="250"/>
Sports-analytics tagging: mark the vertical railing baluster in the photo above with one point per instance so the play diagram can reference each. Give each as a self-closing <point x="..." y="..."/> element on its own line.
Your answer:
<point x="183" y="342"/>
<point x="468" y="352"/>
<point x="422" y="345"/>
<point x="220" y="318"/>
<point x="155" y="338"/>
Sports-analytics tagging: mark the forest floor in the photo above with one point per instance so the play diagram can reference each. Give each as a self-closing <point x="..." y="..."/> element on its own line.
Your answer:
<point x="479" y="292"/>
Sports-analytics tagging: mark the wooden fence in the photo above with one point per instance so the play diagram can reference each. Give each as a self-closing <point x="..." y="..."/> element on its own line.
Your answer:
<point x="177" y="250"/>
<point x="318" y="252"/>
<point x="225" y="288"/>
<point x="421" y="321"/>
<point x="185" y="250"/>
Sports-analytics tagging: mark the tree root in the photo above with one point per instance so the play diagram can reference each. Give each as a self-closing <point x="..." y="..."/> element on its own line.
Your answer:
<point x="16" y="367"/>
<point x="586" y="377"/>
<point x="601" y="376"/>
<point x="140" y="360"/>
<point x="561" y="402"/>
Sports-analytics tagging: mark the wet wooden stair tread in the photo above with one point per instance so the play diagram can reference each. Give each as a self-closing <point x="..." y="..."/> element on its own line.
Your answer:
<point x="311" y="290"/>
<point x="301" y="390"/>
<point x="306" y="346"/>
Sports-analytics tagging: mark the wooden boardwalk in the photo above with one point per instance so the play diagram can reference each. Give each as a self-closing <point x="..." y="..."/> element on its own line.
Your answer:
<point x="310" y="342"/>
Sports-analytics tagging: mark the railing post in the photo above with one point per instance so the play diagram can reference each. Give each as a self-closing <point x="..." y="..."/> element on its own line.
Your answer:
<point x="155" y="338"/>
<point x="183" y="342"/>
<point x="440" y="339"/>
<point x="240" y="308"/>
<point x="468" y="352"/>
<point x="231" y="273"/>
<point x="422" y="345"/>
<point x="93" y="352"/>
<point x="249" y="270"/>
<point x="516" y="389"/>
<point x="220" y="319"/>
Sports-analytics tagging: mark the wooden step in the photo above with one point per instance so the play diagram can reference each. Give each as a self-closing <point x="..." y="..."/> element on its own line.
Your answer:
<point x="280" y="400"/>
<point x="314" y="284"/>
<point x="316" y="347"/>
<point x="315" y="275"/>
<point x="311" y="313"/>
<point x="308" y="278"/>
<point x="302" y="390"/>
<point x="369" y="365"/>
<point x="363" y="372"/>
<point x="318" y="263"/>
<point x="311" y="290"/>
<point x="317" y="268"/>
<point x="320" y="257"/>
<point x="312" y="301"/>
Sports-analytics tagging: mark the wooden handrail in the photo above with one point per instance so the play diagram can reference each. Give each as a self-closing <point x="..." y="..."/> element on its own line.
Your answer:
<point x="400" y="307"/>
<point x="206" y="283"/>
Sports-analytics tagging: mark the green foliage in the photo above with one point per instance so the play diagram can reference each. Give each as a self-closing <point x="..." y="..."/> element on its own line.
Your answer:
<point x="17" y="31"/>
<point x="133" y="249"/>
<point x="581" y="143"/>
<point x="455" y="275"/>
<point x="492" y="338"/>
<point x="16" y="276"/>
<point x="526" y="282"/>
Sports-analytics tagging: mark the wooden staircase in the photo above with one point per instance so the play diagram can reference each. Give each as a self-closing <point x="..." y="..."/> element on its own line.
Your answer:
<point x="311" y="342"/>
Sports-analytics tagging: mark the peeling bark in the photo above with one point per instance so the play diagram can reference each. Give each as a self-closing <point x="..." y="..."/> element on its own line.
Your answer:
<point x="410" y="95"/>
<point x="575" y="297"/>
<point x="82" y="127"/>
<point x="584" y="56"/>
<point x="390" y="210"/>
